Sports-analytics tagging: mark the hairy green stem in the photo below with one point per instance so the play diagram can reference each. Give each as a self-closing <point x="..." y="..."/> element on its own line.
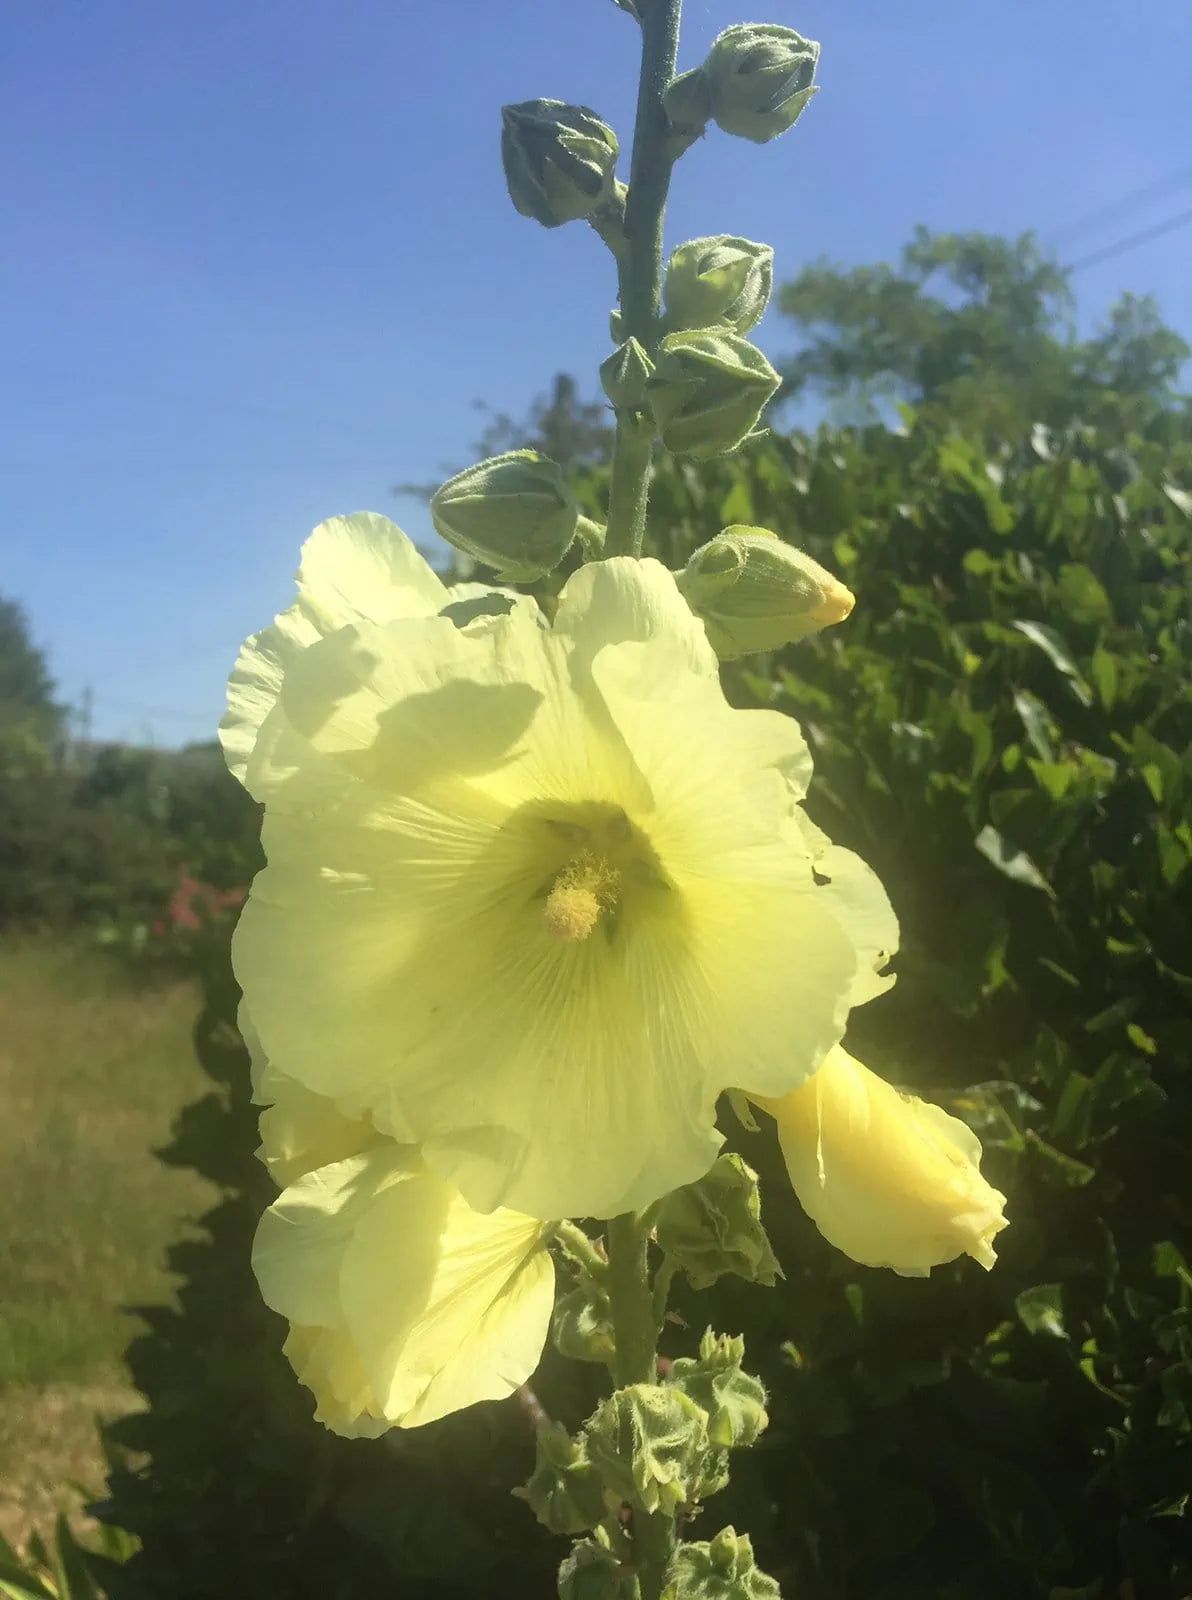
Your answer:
<point x="639" y="265"/>
<point x="635" y="1329"/>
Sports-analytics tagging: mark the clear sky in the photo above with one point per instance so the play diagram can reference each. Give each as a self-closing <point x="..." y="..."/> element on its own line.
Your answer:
<point x="258" y="260"/>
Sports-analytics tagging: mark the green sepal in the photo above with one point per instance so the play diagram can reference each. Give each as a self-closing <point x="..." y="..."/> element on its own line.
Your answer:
<point x="719" y="280"/>
<point x="649" y="1443"/>
<point x="720" y="1569"/>
<point x="514" y="512"/>
<point x="624" y="375"/>
<point x="735" y="1402"/>
<point x="559" y="160"/>
<point x="708" y="390"/>
<point x="760" y="79"/>
<point x="564" y="1491"/>
<point x="687" y="102"/>
<point x="714" y="1226"/>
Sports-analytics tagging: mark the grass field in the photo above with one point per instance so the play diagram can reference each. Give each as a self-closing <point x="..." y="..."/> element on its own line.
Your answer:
<point x="92" y="1071"/>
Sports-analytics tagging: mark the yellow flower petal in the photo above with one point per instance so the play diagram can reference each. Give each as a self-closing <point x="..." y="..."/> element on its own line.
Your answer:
<point x="352" y="568"/>
<point x="891" y="1180"/>
<point x="406" y="1304"/>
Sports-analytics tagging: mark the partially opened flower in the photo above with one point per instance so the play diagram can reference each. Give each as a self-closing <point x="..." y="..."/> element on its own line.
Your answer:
<point x="535" y="895"/>
<point x="404" y="1303"/>
<point x="891" y="1180"/>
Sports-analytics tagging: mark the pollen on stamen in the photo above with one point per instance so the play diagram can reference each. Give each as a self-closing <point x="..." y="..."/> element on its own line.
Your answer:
<point x="571" y="911"/>
<point x="586" y="887"/>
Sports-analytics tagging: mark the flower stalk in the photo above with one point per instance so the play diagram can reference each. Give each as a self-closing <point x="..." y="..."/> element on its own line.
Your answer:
<point x="639" y="266"/>
<point x="635" y="1328"/>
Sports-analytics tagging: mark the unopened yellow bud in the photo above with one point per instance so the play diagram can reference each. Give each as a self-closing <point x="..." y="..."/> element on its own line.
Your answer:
<point x="891" y="1180"/>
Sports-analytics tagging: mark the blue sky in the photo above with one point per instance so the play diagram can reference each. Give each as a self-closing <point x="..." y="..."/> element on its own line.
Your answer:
<point x="259" y="261"/>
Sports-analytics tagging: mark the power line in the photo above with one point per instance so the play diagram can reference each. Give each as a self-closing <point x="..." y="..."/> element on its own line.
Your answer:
<point x="1120" y="246"/>
<point x="1116" y="209"/>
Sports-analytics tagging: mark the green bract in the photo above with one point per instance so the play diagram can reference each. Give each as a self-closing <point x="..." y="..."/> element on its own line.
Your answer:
<point x="687" y="102"/>
<point x="718" y="280"/>
<point x="513" y="512"/>
<point x="624" y="374"/>
<point x="756" y="593"/>
<point x="760" y="79"/>
<point x="559" y="160"/>
<point x="708" y="391"/>
<point x="591" y="1572"/>
<point x="734" y="1401"/>
<point x="714" y="1226"/>
<point x="649" y="1443"/>
<point x="564" y="1491"/>
<point x="720" y="1570"/>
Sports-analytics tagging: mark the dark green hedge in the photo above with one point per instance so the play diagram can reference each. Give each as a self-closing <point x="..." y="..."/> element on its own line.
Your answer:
<point x="1003" y="730"/>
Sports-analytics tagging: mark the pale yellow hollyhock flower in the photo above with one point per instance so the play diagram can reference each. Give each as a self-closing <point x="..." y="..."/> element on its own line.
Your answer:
<point x="891" y="1180"/>
<point x="536" y="894"/>
<point x="404" y="1303"/>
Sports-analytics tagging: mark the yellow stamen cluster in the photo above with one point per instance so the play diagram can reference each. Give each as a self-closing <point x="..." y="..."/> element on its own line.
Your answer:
<point x="585" y="887"/>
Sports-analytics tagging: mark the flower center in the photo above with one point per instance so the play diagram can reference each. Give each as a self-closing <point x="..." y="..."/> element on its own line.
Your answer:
<point x="585" y="887"/>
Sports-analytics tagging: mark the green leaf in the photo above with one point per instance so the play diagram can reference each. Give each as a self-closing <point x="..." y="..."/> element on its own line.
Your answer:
<point x="1039" y="726"/>
<point x="1062" y="1171"/>
<point x="1103" y="671"/>
<point x="1040" y="1310"/>
<point x="1014" y="863"/>
<point x="74" y="1576"/>
<point x="1055" y="647"/>
<point x="1081" y="594"/>
<point x="18" y="1584"/>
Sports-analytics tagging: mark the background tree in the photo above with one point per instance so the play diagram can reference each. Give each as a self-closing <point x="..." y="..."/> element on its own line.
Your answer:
<point x="30" y="719"/>
<point x="981" y="327"/>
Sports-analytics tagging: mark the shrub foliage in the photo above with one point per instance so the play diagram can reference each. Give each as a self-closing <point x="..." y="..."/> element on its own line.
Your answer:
<point x="1003" y="729"/>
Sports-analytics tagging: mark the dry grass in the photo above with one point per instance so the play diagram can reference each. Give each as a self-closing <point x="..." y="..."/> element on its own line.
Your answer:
<point x="92" y="1072"/>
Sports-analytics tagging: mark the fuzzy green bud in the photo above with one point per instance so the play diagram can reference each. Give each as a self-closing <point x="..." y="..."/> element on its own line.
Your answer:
<point x="754" y="592"/>
<point x="624" y="374"/>
<point x="708" y="390"/>
<point x="564" y="1491"/>
<point x="559" y="160"/>
<point x="591" y="1572"/>
<point x="714" y="1226"/>
<point x="734" y="1400"/>
<point x="649" y="1443"/>
<point x="760" y="79"/>
<point x="718" y="280"/>
<point x="719" y="1569"/>
<point x="513" y="512"/>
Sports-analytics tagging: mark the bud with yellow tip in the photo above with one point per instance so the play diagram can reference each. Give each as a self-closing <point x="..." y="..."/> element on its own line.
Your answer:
<point x="753" y="592"/>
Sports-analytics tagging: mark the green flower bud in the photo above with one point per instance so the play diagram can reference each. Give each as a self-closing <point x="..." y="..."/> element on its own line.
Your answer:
<point x="708" y="391"/>
<point x="759" y="77"/>
<point x="582" y="1325"/>
<point x="591" y="1572"/>
<point x="624" y="374"/>
<point x="559" y="160"/>
<point x="687" y="101"/>
<point x="754" y="592"/>
<point x="734" y="1400"/>
<point x="564" y="1491"/>
<point x="720" y="1570"/>
<point x="648" y="1443"/>
<point x="513" y="512"/>
<point x="718" y="280"/>
<point x="714" y="1226"/>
